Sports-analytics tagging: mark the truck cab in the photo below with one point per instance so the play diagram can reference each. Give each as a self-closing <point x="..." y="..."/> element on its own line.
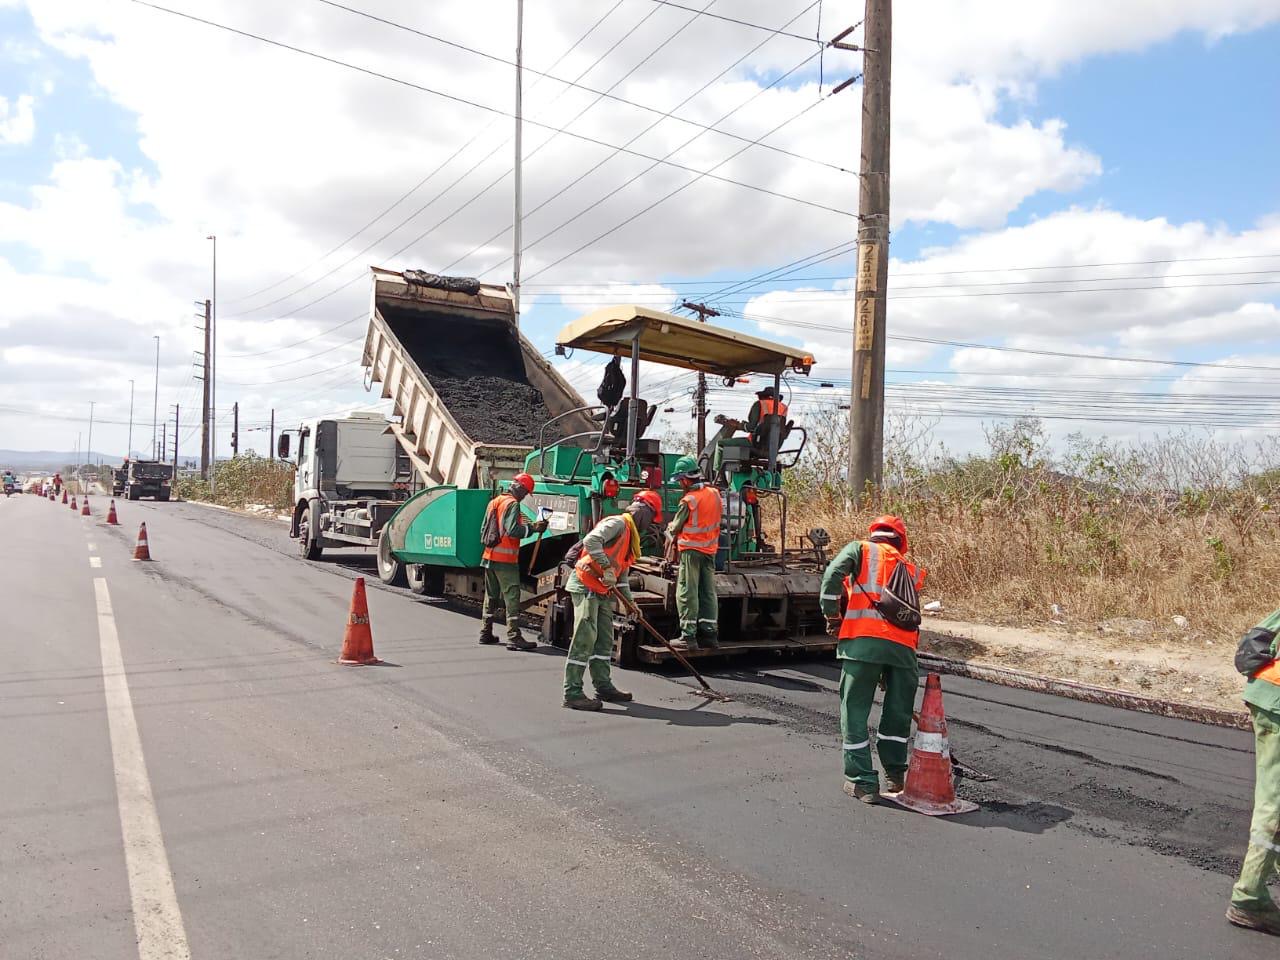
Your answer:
<point x="351" y="476"/>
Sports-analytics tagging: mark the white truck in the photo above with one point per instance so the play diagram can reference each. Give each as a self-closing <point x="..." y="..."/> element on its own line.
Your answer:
<point x="351" y="477"/>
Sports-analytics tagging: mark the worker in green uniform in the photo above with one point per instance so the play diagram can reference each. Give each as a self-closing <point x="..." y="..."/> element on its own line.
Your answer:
<point x="872" y="650"/>
<point x="1251" y="904"/>
<point x="608" y="551"/>
<point x="695" y="535"/>
<point x="503" y="528"/>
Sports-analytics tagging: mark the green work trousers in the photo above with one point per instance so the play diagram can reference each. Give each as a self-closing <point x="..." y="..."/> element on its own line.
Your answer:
<point x="501" y="589"/>
<point x="696" y="603"/>
<point x="592" y="644"/>
<point x="1263" y="856"/>
<point x="858" y="680"/>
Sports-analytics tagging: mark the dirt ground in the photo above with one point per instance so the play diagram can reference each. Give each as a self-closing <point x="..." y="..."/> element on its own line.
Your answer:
<point x="1123" y="654"/>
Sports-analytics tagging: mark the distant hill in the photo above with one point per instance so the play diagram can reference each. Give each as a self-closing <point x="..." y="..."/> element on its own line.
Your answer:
<point x="49" y="459"/>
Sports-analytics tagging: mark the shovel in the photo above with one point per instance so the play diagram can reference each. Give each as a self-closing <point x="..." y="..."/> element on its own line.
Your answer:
<point x="706" y="690"/>
<point x="959" y="768"/>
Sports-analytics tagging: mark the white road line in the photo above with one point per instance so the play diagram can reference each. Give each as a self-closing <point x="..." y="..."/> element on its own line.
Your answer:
<point x="93" y="546"/>
<point x="157" y="920"/>
<point x="95" y="561"/>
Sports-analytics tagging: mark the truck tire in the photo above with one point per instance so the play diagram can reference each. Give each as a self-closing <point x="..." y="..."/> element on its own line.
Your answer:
<point x="163" y="497"/>
<point x="390" y="570"/>
<point x="309" y="532"/>
<point x="416" y="576"/>
<point x="133" y="493"/>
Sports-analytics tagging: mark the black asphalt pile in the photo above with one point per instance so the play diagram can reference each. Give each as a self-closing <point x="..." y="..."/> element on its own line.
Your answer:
<point x="477" y="369"/>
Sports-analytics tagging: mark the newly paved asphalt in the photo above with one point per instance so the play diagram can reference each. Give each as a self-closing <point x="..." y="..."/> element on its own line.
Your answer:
<point x="445" y="805"/>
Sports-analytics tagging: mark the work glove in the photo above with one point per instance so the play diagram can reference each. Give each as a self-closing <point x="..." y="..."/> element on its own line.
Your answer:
<point x="539" y="525"/>
<point x="610" y="579"/>
<point x="833" y="626"/>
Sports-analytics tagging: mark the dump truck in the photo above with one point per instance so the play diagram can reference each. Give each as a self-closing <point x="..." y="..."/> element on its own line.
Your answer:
<point x="148" y="478"/>
<point x="474" y="403"/>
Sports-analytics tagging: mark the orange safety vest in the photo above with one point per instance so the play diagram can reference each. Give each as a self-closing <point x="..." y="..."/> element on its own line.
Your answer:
<point x="861" y="618"/>
<point x="1269" y="673"/>
<point x="769" y="406"/>
<point x="702" y="530"/>
<point x="620" y="554"/>
<point x="508" y="548"/>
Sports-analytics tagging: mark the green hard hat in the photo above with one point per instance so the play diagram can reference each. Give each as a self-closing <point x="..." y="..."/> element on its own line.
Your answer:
<point x="686" y="465"/>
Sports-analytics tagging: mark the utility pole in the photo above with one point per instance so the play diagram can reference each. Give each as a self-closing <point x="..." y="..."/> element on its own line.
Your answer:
<point x="128" y="447"/>
<point x="519" y="181"/>
<point x="866" y="405"/>
<point x="176" y="411"/>
<point x="235" y="429"/>
<point x="272" y="447"/>
<point x="700" y="392"/>
<point x="89" y="453"/>
<point x="164" y="442"/>
<point x="211" y="353"/>
<point x="204" y="406"/>
<point x="155" y="404"/>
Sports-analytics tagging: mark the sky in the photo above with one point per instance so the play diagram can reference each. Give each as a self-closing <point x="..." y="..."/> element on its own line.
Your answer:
<point x="1085" y="200"/>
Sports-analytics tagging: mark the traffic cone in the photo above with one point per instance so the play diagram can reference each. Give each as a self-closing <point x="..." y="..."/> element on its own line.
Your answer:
<point x="930" y="787"/>
<point x="64" y="494"/>
<point x="357" y="641"/>
<point x="84" y="509"/>
<point x="142" y="551"/>
<point x="73" y="505"/>
<point x="112" y="519"/>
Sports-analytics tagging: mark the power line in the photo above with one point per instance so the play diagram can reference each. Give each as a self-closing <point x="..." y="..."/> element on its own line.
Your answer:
<point x="322" y="333"/>
<point x="742" y="23"/>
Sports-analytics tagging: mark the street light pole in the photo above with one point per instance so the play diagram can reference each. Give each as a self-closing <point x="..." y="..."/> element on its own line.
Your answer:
<point x="128" y="448"/>
<point x="89" y="452"/>
<point x="155" y="403"/>
<point x="213" y="371"/>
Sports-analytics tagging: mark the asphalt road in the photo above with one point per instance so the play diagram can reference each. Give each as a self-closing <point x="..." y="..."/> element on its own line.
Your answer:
<point x="446" y="806"/>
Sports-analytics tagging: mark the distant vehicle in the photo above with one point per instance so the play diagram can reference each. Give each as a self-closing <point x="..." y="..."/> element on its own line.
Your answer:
<point x="11" y="484"/>
<point x="148" y="478"/>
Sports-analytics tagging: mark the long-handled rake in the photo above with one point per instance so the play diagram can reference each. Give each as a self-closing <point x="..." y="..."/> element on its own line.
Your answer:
<point x="706" y="690"/>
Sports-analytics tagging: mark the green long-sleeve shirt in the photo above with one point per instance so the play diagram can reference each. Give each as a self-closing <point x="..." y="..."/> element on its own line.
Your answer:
<point x="867" y="649"/>
<point x="1264" y="693"/>
<point x="603" y="535"/>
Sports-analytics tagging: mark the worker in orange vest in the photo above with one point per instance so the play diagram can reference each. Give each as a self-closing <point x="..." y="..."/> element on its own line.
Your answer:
<point x="695" y="534"/>
<point x="607" y="553"/>
<point x="873" y="648"/>
<point x="503" y="528"/>
<point x="1251" y="904"/>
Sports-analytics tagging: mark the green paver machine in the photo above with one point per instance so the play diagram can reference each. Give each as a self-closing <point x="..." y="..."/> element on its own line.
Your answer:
<point x="589" y="461"/>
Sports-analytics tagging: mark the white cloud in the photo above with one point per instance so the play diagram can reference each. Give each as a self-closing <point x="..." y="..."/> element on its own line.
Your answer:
<point x="17" y="120"/>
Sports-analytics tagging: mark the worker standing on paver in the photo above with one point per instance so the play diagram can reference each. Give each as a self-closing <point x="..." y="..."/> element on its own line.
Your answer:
<point x="695" y="535"/>
<point x="503" y="528"/>
<point x="873" y="648"/>
<point x="608" y="551"/>
<point x="1251" y="904"/>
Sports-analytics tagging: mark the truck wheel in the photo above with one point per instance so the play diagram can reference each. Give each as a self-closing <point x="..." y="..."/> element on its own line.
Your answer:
<point x="416" y="576"/>
<point x="390" y="570"/>
<point x="134" y="493"/>
<point x="309" y="532"/>
<point x="163" y="497"/>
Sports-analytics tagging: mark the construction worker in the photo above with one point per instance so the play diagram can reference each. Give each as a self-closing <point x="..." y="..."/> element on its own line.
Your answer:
<point x="872" y="650"/>
<point x="695" y="533"/>
<point x="608" y="552"/>
<point x="505" y="526"/>
<point x="1251" y="905"/>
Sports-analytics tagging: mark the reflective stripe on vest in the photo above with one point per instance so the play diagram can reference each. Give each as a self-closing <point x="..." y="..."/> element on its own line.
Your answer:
<point x="701" y="531"/>
<point x="507" y="549"/>
<point x="861" y="618"/>
<point x="1269" y="673"/>
<point x="620" y="556"/>
<point x="769" y="406"/>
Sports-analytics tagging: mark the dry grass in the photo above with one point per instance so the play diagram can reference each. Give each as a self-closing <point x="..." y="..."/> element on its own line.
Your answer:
<point x="1181" y="526"/>
<point x="247" y="479"/>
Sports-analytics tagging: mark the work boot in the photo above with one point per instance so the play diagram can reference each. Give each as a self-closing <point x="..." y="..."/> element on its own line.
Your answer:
<point x="520" y="643"/>
<point x="711" y="643"/>
<point x="614" y="695"/>
<point x="582" y="702"/>
<point x="893" y="786"/>
<point x="860" y="792"/>
<point x="486" y="633"/>
<point x="684" y="646"/>
<point x="1262" y="922"/>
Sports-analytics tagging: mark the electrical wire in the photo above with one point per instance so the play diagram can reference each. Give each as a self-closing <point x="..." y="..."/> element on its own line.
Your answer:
<point x="742" y="23"/>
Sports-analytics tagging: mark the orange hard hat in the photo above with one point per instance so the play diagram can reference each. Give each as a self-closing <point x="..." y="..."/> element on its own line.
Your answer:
<point x="524" y="480"/>
<point x="650" y="499"/>
<point x="890" y="524"/>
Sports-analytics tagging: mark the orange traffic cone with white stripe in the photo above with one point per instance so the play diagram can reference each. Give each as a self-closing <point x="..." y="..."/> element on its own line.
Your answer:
<point x="74" y="505"/>
<point x="112" y="519"/>
<point x="357" y="641"/>
<point x="64" y="495"/>
<point x="143" y="549"/>
<point x="931" y="788"/>
<point x="84" y="507"/>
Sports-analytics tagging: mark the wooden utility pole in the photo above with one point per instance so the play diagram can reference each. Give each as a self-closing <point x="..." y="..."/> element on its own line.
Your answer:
<point x="204" y="407"/>
<point x="235" y="429"/>
<point x="700" y="392"/>
<point x="272" y="447"/>
<point x="866" y="406"/>
<point x="176" y="412"/>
